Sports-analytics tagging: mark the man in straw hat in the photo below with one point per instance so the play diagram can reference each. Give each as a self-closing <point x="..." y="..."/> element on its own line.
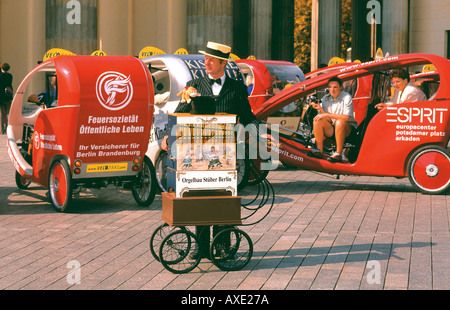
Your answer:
<point x="230" y="97"/>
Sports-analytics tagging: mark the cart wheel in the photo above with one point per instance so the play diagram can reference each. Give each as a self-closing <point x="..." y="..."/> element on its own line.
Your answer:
<point x="158" y="236"/>
<point x="231" y="249"/>
<point x="60" y="185"/>
<point x="429" y="169"/>
<point x="177" y="251"/>
<point x="144" y="190"/>
<point x="22" y="182"/>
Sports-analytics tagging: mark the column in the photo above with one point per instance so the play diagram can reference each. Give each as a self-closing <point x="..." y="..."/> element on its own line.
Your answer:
<point x="361" y="32"/>
<point x="209" y="20"/>
<point x="115" y="28"/>
<point x="283" y="30"/>
<point x="261" y="29"/>
<point x="325" y="32"/>
<point x="74" y="27"/>
<point x="395" y="26"/>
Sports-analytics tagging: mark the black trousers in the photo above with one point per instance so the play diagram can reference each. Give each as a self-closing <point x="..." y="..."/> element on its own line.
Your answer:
<point x="204" y="238"/>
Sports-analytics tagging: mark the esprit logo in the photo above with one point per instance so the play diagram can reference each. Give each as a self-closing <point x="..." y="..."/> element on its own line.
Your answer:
<point x="413" y="114"/>
<point x="114" y="90"/>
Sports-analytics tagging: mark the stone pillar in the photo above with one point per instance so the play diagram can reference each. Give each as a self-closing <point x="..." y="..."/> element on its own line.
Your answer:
<point x="241" y="28"/>
<point x="261" y="29"/>
<point x="395" y="27"/>
<point x="73" y="28"/>
<point x="326" y="31"/>
<point x="209" y="20"/>
<point x="283" y="30"/>
<point x="361" y="32"/>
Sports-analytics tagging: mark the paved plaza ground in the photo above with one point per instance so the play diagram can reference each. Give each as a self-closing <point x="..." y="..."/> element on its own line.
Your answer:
<point x="323" y="233"/>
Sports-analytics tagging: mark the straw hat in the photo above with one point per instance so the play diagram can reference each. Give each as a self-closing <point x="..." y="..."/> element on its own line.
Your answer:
<point x="217" y="50"/>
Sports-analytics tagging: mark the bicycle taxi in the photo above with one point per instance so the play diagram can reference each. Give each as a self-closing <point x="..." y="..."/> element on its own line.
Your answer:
<point x="94" y="134"/>
<point x="409" y="139"/>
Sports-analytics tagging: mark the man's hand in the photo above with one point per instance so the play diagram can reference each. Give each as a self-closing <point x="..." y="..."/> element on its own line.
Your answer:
<point x="381" y="106"/>
<point x="187" y="93"/>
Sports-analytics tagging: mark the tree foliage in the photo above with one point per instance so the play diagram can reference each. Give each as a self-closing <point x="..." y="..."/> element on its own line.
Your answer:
<point x="302" y="32"/>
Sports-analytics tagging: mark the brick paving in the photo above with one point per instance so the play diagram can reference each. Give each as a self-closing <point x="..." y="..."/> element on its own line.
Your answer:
<point x="352" y="233"/>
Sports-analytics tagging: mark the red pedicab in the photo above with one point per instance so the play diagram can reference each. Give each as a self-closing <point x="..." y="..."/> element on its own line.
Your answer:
<point x="94" y="135"/>
<point x="405" y="140"/>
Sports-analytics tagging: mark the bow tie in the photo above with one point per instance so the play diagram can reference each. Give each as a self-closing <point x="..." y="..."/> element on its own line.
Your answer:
<point x="218" y="81"/>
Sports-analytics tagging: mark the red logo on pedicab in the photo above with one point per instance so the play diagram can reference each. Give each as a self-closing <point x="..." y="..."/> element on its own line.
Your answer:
<point x="36" y="140"/>
<point x="114" y="90"/>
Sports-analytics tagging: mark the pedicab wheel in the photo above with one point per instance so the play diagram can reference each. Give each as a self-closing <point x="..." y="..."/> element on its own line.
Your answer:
<point x="22" y="182"/>
<point x="60" y="185"/>
<point x="158" y="236"/>
<point x="144" y="189"/>
<point x="177" y="251"/>
<point x="161" y="170"/>
<point x="243" y="170"/>
<point x="256" y="175"/>
<point x="231" y="249"/>
<point x="429" y="169"/>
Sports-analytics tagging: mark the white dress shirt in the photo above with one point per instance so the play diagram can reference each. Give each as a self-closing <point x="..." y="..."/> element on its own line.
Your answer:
<point x="216" y="88"/>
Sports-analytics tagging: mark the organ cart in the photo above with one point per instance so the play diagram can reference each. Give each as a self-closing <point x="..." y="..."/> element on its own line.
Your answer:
<point x="202" y="191"/>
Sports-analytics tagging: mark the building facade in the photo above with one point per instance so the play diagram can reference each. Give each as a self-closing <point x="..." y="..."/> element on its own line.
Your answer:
<point x="262" y="28"/>
<point x="395" y="26"/>
<point x="29" y="28"/>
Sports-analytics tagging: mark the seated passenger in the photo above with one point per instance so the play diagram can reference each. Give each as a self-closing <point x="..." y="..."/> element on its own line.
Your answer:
<point x="47" y="99"/>
<point x="335" y="118"/>
<point x="405" y="91"/>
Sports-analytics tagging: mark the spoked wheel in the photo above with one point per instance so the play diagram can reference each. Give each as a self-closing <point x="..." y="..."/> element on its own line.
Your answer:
<point x="231" y="249"/>
<point x="429" y="169"/>
<point x="60" y="185"/>
<point x="178" y="252"/>
<point x="22" y="182"/>
<point x="158" y="236"/>
<point x="144" y="190"/>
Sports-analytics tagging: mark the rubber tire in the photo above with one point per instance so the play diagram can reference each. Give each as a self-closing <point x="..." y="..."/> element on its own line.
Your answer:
<point x="146" y="181"/>
<point x="161" y="170"/>
<point x="429" y="169"/>
<point x="60" y="185"/>
<point x="22" y="182"/>
<point x="243" y="171"/>
<point x="256" y="175"/>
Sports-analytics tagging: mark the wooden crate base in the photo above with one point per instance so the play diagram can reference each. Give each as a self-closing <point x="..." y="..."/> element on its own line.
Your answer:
<point x="201" y="210"/>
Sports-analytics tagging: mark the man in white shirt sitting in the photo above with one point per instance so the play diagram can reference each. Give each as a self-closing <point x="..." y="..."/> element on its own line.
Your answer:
<point x="405" y="91"/>
<point x="335" y="118"/>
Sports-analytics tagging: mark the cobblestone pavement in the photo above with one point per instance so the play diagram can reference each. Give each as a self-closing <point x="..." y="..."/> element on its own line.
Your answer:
<point x="323" y="233"/>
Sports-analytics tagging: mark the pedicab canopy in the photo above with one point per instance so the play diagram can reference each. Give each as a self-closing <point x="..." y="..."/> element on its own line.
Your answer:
<point x="102" y="119"/>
